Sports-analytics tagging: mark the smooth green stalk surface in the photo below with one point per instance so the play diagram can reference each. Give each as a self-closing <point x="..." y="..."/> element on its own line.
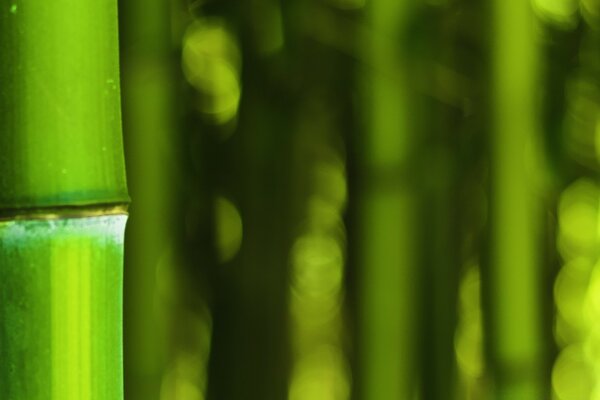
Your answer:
<point x="516" y="340"/>
<point x="60" y="130"/>
<point x="388" y="221"/>
<point x="60" y="149"/>
<point x="60" y="309"/>
<point x="150" y="135"/>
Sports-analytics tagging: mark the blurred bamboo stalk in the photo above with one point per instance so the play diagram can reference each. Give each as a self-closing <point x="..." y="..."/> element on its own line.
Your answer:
<point x="243" y="130"/>
<point x="150" y="137"/>
<point x="388" y="269"/>
<point x="515" y="276"/>
<point x="62" y="202"/>
<point x="439" y="177"/>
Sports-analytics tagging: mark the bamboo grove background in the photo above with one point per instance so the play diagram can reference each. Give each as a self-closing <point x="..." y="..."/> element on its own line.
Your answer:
<point x="362" y="199"/>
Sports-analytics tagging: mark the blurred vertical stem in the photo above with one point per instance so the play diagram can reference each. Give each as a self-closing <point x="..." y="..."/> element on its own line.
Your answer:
<point x="387" y="213"/>
<point x="150" y="134"/>
<point x="248" y="355"/>
<point x="515" y="275"/>
<point x="62" y="201"/>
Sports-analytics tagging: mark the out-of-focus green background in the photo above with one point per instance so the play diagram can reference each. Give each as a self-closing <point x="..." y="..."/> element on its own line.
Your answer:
<point x="362" y="199"/>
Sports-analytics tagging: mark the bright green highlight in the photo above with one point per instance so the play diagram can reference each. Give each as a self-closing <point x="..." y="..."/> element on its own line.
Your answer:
<point x="211" y="64"/>
<point x="59" y="105"/>
<point x="320" y="370"/>
<point x="60" y="309"/>
<point x="574" y="374"/>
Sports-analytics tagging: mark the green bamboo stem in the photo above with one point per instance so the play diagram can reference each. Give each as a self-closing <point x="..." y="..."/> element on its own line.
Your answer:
<point x="60" y="307"/>
<point x="515" y="276"/>
<point x="387" y="215"/>
<point x="59" y="105"/>
<point x="62" y="191"/>
<point x="150" y="134"/>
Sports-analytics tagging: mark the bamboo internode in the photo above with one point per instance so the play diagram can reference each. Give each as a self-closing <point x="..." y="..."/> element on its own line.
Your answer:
<point x="63" y="202"/>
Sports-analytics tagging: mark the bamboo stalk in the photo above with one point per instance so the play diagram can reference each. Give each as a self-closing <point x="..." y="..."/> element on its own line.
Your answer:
<point x="60" y="304"/>
<point x="515" y="276"/>
<point x="59" y="105"/>
<point x="62" y="196"/>
<point x="388" y="266"/>
<point x="150" y="135"/>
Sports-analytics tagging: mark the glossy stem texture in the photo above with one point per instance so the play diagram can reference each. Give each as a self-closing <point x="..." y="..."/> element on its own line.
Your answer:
<point x="60" y="149"/>
<point x="60" y="308"/>
<point x="60" y="120"/>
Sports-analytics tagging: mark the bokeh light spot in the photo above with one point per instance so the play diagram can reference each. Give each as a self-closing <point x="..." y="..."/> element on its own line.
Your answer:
<point x="571" y="376"/>
<point x="320" y="375"/>
<point x="468" y="340"/>
<point x="179" y="383"/>
<point x="318" y="266"/>
<point x="211" y="63"/>
<point x="561" y="13"/>
<point x="330" y="183"/>
<point x="228" y="229"/>
<point x="578" y="219"/>
<point x="570" y="290"/>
